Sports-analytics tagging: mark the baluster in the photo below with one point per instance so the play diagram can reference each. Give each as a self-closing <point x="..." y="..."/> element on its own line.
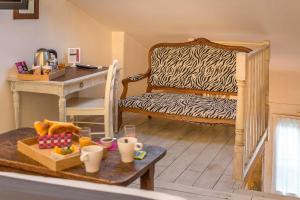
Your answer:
<point x="254" y="136"/>
<point x="252" y="106"/>
<point x="262" y="95"/>
<point x="260" y="100"/>
<point x="264" y="90"/>
<point x="248" y="119"/>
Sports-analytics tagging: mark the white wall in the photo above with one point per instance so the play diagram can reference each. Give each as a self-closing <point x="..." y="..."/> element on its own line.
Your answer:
<point x="135" y="62"/>
<point x="61" y="25"/>
<point x="149" y="22"/>
<point x="132" y="57"/>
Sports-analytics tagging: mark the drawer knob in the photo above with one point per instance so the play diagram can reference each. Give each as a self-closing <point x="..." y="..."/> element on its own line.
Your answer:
<point x="81" y="85"/>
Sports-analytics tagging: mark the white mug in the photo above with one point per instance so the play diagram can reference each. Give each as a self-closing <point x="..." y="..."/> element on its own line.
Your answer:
<point x="127" y="146"/>
<point x="91" y="156"/>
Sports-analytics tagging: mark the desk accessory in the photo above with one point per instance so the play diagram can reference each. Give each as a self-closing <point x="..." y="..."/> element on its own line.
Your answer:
<point x="89" y="67"/>
<point x="43" y="56"/>
<point x="21" y="67"/>
<point x="73" y="56"/>
<point x="34" y="76"/>
<point x="37" y="70"/>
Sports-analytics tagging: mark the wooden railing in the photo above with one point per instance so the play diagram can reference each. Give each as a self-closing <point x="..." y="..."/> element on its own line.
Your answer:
<point x="252" y="107"/>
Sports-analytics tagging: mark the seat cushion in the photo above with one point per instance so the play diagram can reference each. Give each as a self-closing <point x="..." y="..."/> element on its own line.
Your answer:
<point x="182" y="104"/>
<point x="82" y="103"/>
<point x="85" y="106"/>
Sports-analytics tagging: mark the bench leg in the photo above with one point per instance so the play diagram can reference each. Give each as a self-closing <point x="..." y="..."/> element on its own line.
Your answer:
<point x="147" y="179"/>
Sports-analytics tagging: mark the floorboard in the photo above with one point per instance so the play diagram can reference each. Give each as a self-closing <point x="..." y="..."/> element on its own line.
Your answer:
<point x="214" y="171"/>
<point x="198" y="156"/>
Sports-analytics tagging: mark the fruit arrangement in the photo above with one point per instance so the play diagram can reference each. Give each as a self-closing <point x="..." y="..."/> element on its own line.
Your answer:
<point x="65" y="150"/>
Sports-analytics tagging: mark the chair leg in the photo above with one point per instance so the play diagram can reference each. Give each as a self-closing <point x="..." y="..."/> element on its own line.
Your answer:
<point x="119" y="119"/>
<point x="72" y="118"/>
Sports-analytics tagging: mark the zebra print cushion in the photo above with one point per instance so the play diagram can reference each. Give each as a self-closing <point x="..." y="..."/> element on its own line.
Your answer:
<point x="182" y="104"/>
<point x="199" y="67"/>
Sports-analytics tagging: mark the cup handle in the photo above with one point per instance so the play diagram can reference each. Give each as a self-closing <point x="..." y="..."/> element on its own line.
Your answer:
<point x="84" y="157"/>
<point x="138" y="146"/>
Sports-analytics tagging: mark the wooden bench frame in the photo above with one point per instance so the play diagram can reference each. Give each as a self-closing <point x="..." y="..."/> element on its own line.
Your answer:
<point x="150" y="88"/>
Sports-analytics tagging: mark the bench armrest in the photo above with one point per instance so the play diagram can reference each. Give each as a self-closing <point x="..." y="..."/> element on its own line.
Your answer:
<point x="136" y="77"/>
<point x="129" y="79"/>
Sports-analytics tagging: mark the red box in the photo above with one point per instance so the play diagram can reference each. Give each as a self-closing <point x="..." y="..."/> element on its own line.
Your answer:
<point x="51" y="141"/>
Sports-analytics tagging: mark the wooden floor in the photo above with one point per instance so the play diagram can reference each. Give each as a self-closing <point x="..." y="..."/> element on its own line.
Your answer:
<point x="198" y="156"/>
<point x="198" y="164"/>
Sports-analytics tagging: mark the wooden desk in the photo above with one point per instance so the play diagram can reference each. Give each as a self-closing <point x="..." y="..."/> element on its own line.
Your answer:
<point x="112" y="170"/>
<point x="74" y="80"/>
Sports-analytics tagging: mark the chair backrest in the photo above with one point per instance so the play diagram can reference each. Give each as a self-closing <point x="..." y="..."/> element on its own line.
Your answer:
<point x="109" y="99"/>
<point x="198" y="65"/>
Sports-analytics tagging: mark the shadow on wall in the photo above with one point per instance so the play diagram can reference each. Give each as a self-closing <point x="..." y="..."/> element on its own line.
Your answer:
<point x="35" y="107"/>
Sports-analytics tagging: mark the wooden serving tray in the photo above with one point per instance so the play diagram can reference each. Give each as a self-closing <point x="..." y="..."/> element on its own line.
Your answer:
<point x="33" y="77"/>
<point x="47" y="157"/>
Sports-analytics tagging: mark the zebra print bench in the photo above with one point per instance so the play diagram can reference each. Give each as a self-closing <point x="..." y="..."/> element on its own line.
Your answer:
<point x="189" y="80"/>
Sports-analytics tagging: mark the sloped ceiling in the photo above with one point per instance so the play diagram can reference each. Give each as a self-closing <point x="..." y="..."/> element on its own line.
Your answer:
<point x="152" y="21"/>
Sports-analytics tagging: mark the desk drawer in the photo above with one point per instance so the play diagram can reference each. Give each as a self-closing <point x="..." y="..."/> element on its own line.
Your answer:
<point x="84" y="84"/>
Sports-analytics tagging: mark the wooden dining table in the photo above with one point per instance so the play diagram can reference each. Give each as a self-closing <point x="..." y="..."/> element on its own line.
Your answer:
<point x="112" y="170"/>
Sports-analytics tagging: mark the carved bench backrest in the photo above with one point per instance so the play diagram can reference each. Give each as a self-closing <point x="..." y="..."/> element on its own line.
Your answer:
<point x="199" y="65"/>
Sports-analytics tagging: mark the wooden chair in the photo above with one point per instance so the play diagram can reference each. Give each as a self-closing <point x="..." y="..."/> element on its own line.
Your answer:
<point x="106" y="106"/>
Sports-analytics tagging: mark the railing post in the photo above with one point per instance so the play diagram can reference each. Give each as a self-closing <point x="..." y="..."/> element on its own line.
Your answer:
<point x="267" y="56"/>
<point x="238" y="166"/>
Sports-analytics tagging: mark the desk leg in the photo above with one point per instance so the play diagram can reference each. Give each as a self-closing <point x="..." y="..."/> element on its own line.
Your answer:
<point x="62" y="109"/>
<point x="147" y="180"/>
<point x="16" y="99"/>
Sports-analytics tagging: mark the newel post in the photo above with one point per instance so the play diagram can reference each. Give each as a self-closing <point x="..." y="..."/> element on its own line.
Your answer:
<point x="238" y="165"/>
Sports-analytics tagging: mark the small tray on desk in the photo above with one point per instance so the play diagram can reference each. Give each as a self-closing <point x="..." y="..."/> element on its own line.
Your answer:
<point x="47" y="157"/>
<point x="34" y="77"/>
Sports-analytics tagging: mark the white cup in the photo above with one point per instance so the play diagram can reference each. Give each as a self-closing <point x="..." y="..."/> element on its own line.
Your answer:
<point x="91" y="156"/>
<point x="107" y="142"/>
<point x="127" y="146"/>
